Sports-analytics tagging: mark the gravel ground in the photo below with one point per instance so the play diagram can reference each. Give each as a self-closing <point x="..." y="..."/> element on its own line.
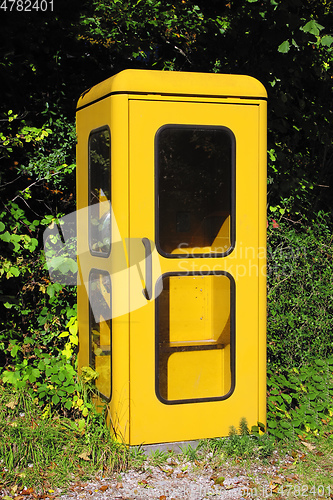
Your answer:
<point x="178" y="479"/>
<point x="187" y="481"/>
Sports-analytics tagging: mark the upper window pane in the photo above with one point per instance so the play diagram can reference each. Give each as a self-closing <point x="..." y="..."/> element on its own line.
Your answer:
<point x="195" y="190"/>
<point x="100" y="192"/>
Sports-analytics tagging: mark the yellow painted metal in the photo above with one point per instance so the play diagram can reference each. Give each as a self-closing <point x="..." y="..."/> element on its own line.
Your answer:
<point x="190" y="421"/>
<point x="111" y="112"/>
<point x="135" y="104"/>
<point x="175" y="83"/>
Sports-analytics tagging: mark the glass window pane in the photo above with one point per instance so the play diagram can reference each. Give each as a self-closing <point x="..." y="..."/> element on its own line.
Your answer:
<point x="195" y="341"/>
<point x="195" y="189"/>
<point x="100" y="192"/>
<point x="100" y="330"/>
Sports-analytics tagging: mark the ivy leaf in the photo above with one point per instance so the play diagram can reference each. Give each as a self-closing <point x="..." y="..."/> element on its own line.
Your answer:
<point x="284" y="47"/>
<point x="327" y="41"/>
<point x="312" y="27"/>
<point x="5" y="237"/>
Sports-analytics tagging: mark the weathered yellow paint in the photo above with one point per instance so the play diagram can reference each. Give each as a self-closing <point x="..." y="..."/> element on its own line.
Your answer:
<point x="134" y="104"/>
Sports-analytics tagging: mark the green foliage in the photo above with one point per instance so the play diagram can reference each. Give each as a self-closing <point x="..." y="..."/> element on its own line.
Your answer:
<point x="158" y="34"/>
<point x="43" y="449"/>
<point x="158" y="457"/>
<point x="300" y="400"/>
<point x="189" y="453"/>
<point x="35" y="353"/>
<point x="300" y="287"/>
<point x="246" y="444"/>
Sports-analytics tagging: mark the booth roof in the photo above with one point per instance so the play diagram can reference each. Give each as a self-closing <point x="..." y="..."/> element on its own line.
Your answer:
<point x="177" y="83"/>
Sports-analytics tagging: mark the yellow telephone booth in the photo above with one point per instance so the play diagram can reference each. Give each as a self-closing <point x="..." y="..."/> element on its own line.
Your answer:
<point x="171" y="199"/>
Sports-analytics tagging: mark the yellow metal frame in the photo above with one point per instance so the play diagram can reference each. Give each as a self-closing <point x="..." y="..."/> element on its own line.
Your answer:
<point x="134" y="104"/>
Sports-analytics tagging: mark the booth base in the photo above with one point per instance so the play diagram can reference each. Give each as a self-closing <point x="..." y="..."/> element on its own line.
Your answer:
<point x="176" y="447"/>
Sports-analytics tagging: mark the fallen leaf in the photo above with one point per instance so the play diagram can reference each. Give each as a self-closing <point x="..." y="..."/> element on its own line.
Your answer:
<point x="219" y="480"/>
<point x="273" y="486"/>
<point x="180" y="475"/>
<point x="166" y="471"/>
<point x="28" y="491"/>
<point x="11" y="404"/>
<point x="85" y="455"/>
<point x="119" y="485"/>
<point x="229" y="487"/>
<point x="277" y="480"/>
<point x="308" y="445"/>
<point x="162" y="497"/>
<point x="103" y="488"/>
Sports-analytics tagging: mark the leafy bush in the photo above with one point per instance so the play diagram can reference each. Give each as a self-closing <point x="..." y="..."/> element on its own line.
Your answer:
<point x="300" y="288"/>
<point x="38" y="328"/>
<point x="300" y="400"/>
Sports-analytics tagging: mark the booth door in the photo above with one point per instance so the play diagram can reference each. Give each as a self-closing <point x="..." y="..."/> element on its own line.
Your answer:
<point x="193" y="194"/>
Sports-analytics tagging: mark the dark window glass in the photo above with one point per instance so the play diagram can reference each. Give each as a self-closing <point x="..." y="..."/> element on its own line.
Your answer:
<point x="100" y="192"/>
<point x="194" y="189"/>
<point x="194" y="337"/>
<point x="101" y="330"/>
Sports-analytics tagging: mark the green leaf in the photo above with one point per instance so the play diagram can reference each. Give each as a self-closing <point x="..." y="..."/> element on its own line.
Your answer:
<point x="327" y="40"/>
<point x="5" y="237"/>
<point x="312" y="27"/>
<point x="284" y="47"/>
<point x="14" y="271"/>
<point x="68" y="405"/>
<point x="55" y="399"/>
<point x="2" y="226"/>
<point x="70" y="389"/>
<point x="287" y="398"/>
<point x="14" y="350"/>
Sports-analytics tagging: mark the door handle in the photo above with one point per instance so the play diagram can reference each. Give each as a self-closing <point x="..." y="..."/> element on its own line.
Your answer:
<point x="148" y="290"/>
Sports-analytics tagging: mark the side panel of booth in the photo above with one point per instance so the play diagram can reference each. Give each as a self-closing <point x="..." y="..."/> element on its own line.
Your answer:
<point x="102" y="222"/>
<point x="262" y="244"/>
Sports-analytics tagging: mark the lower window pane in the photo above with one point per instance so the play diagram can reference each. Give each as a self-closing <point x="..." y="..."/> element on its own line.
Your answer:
<point x="100" y="330"/>
<point x="195" y="341"/>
